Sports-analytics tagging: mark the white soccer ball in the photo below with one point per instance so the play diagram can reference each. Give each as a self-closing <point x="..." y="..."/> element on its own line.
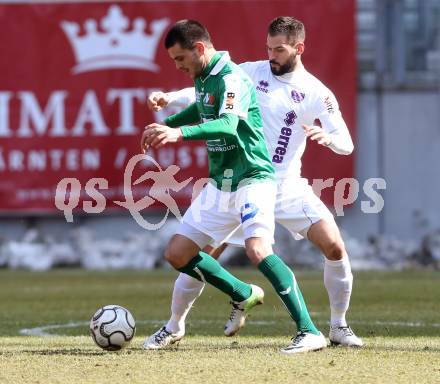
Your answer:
<point x="112" y="327"/>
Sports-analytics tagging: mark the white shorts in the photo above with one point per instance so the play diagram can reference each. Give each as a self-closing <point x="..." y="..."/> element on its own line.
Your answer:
<point x="296" y="208"/>
<point x="214" y="215"/>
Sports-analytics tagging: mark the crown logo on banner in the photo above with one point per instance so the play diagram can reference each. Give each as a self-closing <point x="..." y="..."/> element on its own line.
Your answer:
<point x="116" y="47"/>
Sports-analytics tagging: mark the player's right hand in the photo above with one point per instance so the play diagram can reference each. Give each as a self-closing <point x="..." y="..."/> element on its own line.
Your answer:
<point x="157" y="100"/>
<point x="157" y="135"/>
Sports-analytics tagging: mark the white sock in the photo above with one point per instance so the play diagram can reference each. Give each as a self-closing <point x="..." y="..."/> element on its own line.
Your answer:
<point x="186" y="291"/>
<point x="338" y="280"/>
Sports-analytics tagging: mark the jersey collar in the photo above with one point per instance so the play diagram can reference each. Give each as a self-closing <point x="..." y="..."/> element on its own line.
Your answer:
<point x="290" y="77"/>
<point x="220" y="59"/>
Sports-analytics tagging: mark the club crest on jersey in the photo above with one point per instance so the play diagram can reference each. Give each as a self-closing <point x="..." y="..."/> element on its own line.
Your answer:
<point x="262" y="86"/>
<point x="208" y="99"/>
<point x="297" y="96"/>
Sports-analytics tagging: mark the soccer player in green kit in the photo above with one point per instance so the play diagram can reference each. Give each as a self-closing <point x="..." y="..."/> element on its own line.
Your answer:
<point x="241" y="188"/>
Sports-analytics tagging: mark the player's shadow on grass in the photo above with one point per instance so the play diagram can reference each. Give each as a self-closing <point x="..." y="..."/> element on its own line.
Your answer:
<point x="70" y="352"/>
<point x="212" y="347"/>
<point x="276" y="348"/>
<point x="392" y="331"/>
<point x="401" y="348"/>
<point x="209" y="347"/>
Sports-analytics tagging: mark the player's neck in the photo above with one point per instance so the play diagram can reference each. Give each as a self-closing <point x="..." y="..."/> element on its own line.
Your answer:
<point x="293" y="74"/>
<point x="298" y="64"/>
<point x="207" y="57"/>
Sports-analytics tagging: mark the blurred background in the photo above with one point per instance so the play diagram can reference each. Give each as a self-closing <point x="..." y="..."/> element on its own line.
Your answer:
<point x="74" y="77"/>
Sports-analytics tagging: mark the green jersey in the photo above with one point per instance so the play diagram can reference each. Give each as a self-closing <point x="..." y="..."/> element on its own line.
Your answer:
<point x="230" y="121"/>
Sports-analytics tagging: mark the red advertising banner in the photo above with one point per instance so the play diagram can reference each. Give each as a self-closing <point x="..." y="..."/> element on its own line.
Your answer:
<point x="74" y="78"/>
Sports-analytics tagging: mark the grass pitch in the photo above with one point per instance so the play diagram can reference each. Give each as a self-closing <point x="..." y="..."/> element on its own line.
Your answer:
<point x="397" y="315"/>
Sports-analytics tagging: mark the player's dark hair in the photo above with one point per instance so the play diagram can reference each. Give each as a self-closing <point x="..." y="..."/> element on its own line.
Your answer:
<point x="187" y="33"/>
<point x="286" y="25"/>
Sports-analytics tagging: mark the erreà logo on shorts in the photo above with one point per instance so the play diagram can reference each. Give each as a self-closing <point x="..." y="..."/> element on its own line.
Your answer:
<point x="122" y="45"/>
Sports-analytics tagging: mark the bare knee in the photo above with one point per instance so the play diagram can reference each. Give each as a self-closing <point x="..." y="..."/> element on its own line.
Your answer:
<point x="257" y="250"/>
<point x="335" y="250"/>
<point x="214" y="252"/>
<point x="326" y="236"/>
<point x="180" y="250"/>
<point x="170" y="255"/>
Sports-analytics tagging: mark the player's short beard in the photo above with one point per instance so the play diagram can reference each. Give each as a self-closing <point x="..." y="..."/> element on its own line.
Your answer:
<point x="287" y="67"/>
<point x="198" y="65"/>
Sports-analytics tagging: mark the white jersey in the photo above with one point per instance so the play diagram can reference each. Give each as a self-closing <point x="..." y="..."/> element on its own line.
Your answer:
<point x="287" y="102"/>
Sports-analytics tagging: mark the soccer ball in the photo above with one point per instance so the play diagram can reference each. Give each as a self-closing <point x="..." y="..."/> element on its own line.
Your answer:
<point x="112" y="327"/>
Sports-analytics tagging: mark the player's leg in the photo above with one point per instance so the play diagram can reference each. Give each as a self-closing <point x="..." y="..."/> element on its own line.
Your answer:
<point x="217" y="222"/>
<point x="205" y="268"/>
<point x="206" y="221"/>
<point x="201" y="267"/>
<point x="304" y="215"/>
<point x="186" y="291"/>
<point x="338" y="279"/>
<point x="258" y="227"/>
<point x="282" y="278"/>
<point x="188" y="243"/>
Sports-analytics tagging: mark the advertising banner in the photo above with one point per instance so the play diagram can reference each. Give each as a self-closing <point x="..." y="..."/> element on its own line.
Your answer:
<point x="74" y="78"/>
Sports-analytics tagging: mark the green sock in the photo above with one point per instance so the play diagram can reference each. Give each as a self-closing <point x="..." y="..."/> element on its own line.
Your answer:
<point x="205" y="268"/>
<point x="284" y="282"/>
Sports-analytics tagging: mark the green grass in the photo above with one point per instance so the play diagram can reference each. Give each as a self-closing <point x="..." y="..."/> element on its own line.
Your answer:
<point x="397" y="315"/>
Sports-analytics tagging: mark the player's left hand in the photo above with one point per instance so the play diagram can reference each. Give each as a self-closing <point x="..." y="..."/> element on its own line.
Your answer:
<point x="157" y="135"/>
<point x="317" y="134"/>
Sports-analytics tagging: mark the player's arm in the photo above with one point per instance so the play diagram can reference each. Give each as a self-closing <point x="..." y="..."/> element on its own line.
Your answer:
<point x="224" y="126"/>
<point x="234" y="99"/>
<point x="233" y="102"/>
<point x="250" y="67"/>
<point x="332" y="131"/>
<point x="340" y="139"/>
<point x="182" y="98"/>
<point x="157" y="135"/>
<point x="189" y="115"/>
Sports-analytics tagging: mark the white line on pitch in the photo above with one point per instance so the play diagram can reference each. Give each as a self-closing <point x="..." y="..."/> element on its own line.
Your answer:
<point x="45" y="331"/>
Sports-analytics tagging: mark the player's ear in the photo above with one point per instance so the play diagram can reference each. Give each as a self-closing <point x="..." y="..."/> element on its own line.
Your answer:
<point x="200" y="47"/>
<point x="300" y="48"/>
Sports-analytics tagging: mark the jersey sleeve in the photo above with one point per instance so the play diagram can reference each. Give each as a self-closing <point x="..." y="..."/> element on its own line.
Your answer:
<point x="328" y="113"/>
<point x="224" y="126"/>
<point x="235" y="96"/>
<point x="182" y="98"/>
<point x="189" y="115"/>
<point x="250" y="67"/>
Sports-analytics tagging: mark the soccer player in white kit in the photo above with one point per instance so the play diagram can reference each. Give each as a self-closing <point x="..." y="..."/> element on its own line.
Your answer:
<point x="291" y="100"/>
